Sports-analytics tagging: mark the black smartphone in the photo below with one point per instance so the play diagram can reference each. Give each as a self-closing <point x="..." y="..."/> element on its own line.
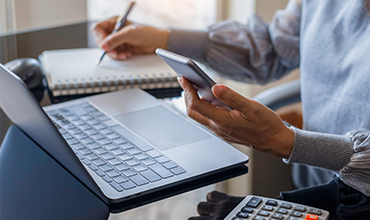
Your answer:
<point x="188" y="69"/>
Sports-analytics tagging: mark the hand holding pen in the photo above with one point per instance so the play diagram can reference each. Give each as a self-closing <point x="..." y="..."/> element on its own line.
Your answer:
<point x="131" y="39"/>
<point x="121" y="21"/>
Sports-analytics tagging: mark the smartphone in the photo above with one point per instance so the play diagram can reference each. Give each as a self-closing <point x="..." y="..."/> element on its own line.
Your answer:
<point x="188" y="69"/>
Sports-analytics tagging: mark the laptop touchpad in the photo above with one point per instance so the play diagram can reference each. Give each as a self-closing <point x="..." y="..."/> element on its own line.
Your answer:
<point x="162" y="128"/>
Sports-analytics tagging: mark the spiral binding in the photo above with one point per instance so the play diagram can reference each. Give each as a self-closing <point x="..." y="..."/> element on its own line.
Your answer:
<point x="108" y="84"/>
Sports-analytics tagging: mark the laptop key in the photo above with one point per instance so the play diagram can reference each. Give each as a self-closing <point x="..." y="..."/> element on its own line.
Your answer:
<point x="148" y="161"/>
<point x="79" y="122"/>
<point x="106" y="131"/>
<point x="114" y="161"/>
<point x="118" y="152"/>
<point x="122" y="166"/>
<point x="87" y="117"/>
<point x="93" y="122"/>
<point x="99" y="172"/>
<point x="160" y="170"/>
<point x="132" y="162"/>
<point x="92" y="157"/>
<point x="94" y="146"/>
<point x="125" y="157"/>
<point x="120" y="179"/>
<point x="103" y="118"/>
<point x="98" y="162"/>
<point x="128" y="172"/>
<point x="112" y="173"/>
<point x="138" y="180"/>
<point x="178" y="170"/>
<point x="162" y="159"/>
<point x="72" y="141"/>
<point x="169" y="165"/>
<point x="140" y="156"/>
<point x="81" y="136"/>
<point x="128" y="185"/>
<point x="75" y="131"/>
<point x="153" y="153"/>
<point x="127" y="145"/>
<point x="111" y="146"/>
<point x="85" y="151"/>
<point x="101" y="151"/>
<point x="107" y="179"/>
<point x="113" y="136"/>
<point x="100" y="126"/>
<point x="104" y="141"/>
<point x="97" y="136"/>
<point x="133" y="151"/>
<point x="86" y="162"/>
<point x="150" y="175"/>
<point x="91" y="132"/>
<point x="106" y="167"/>
<point x="78" y="146"/>
<point x="87" y="141"/>
<point x="139" y="168"/>
<point x="92" y="167"/>
<point x="120" y="140"/>
<point x="107" y="156"/>
<point x="67" y="136"/>
<point x="116" y="186"/>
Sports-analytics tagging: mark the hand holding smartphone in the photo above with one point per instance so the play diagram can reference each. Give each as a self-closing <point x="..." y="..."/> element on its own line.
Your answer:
<point x="188" y="69"/>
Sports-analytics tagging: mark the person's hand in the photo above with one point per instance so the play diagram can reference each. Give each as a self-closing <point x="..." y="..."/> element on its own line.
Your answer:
<point x="131" y="39"/>
<point x="249" y="123"/>
<point x="217" y="206"/>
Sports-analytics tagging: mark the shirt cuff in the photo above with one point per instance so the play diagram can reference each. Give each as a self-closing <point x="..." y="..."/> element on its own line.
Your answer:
<point x="327" y="151"/>
<point x="192" y="44"/>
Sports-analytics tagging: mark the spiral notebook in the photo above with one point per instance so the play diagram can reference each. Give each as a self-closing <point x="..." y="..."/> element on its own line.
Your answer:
<point x="75" y="72"/>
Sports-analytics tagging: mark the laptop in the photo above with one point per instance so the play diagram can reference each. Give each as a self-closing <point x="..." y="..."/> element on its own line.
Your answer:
<point x="123" y="146"/>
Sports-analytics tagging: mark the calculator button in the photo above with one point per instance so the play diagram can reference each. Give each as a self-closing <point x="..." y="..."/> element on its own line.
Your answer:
<point x="258" y="217"/>
<point x="282" y="211"/>
<point x="292" y="218"/>
<point x="277" y="216"/>
<point x="267" y="208"/>
<point x="247" y="209"/>
<point x="286" y="205"/>
<point x="242" y="215"/>
<point x="271" y="202"/>
<point x="254" y="202"/>
<point x="237" y="218"/>
<point x="311" y="217"/>
<point x="300" y="208"/>
<point x="263" y="213"/>
<point x="296" y="213"/>
<point x="315" y="211"/>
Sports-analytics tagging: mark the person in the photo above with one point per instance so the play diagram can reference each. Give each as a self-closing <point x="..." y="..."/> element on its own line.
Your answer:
<point x="329" y="41"/>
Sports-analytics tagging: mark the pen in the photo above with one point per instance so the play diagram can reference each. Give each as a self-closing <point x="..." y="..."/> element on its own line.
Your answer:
<point x="121" y="21"/>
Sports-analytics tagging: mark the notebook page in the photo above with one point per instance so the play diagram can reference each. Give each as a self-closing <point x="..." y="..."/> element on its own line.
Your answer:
<point x="77" y="64"/>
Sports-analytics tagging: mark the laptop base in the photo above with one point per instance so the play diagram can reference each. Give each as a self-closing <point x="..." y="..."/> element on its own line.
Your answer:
<point x="34" y="185"/>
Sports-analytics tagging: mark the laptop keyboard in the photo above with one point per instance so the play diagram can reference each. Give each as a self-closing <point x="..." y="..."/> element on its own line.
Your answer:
<point x="109" y="150"/>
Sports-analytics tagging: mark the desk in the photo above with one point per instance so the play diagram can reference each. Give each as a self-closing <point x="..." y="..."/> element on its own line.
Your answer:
<point x="33" y="42"/>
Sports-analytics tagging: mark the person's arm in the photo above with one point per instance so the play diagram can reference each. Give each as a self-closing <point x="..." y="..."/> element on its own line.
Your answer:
<point x="255" y="52"/>
<point x="348" y="155"/>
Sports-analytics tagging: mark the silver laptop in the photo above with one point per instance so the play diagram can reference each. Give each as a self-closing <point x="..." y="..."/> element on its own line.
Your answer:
<point x="121" y="145"/>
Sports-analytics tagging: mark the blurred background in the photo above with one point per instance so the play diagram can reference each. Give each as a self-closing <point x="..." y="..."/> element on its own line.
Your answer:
<point x="267" y="176"/>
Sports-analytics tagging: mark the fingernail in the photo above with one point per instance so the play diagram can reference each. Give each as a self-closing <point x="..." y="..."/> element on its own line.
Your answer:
<point x="217" y="90"/>
<point x="179" y="79"/>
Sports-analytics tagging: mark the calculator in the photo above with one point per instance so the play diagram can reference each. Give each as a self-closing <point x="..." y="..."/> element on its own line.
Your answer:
<point x="261" y="208"/>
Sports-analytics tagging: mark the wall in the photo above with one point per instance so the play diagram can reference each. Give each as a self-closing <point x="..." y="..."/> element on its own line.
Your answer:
<point x="32" y="14"/>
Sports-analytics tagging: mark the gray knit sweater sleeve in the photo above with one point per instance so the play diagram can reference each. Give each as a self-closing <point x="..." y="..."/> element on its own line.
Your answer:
<point x="348" y="155"/>
<point x="253" y="53"/>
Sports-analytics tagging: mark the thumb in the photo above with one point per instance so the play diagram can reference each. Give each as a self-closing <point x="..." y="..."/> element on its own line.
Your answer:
<point x="231" y="98"/>
<point x="115" y="40"/>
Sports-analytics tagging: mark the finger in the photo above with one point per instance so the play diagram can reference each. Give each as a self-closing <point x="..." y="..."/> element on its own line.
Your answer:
<point x="216" y="196"/>
<point x="206" y="208"/>
<point x="114" y="40"/>
<point x="105" y="27"/>
<point x="200" y="218"/>
<point x="231" y="98"/>
<point x="199" y="105"/>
